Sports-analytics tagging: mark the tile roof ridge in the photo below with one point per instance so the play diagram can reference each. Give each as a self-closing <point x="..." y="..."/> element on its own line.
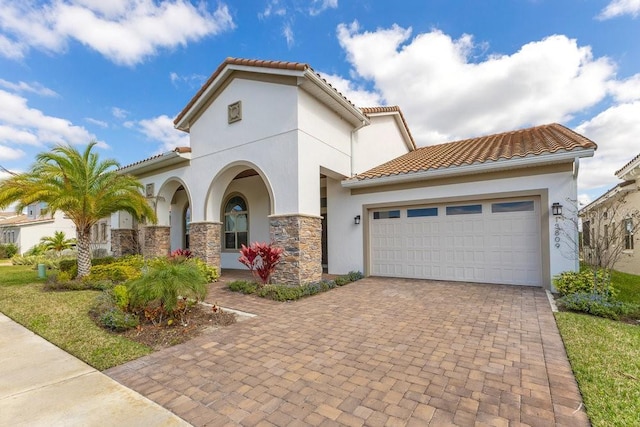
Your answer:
<point x="627" y="164"/>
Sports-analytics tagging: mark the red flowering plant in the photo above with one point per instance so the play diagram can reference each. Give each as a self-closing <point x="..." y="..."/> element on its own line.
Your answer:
<point x="261" y="259"/>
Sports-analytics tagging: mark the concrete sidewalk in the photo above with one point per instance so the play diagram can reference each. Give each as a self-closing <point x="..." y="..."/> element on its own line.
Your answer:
<point x="42" y="385"/>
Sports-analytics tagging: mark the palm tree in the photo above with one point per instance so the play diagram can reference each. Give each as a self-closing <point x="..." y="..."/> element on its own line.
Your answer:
<point x="85" y="188"/>
<point x="58" y="242"/>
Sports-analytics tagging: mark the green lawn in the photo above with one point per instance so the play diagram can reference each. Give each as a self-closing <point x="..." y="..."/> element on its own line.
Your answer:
<point x="605" y="357"/>
<point x="628" y="286"/>
<point x="61" y="318"/>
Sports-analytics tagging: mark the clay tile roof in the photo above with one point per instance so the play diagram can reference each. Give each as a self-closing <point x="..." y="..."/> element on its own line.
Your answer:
<point x="630" y="161"/>
<point x="283" y="65"/>
<point x="521" y="143"/>
<point x="179" y="150"/>
<point x="390" y="109"/>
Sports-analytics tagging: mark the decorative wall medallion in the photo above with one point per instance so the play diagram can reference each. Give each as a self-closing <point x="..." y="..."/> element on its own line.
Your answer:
<point x="235" y="112"/>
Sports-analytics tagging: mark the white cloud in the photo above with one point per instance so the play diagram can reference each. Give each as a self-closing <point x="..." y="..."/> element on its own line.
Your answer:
<point x="119" y="113"/>
<point x="125" y="32"/>
<point x="626" y="90"/>
<point x="20" y="124"/>
<point x="34" y="87"/>
<point x="287" y="32"/>
<point x="160" y="129"/>
<point x="96" y="122"/>
<point x="192" y="80"/>
<point x="448" y="94"/>
<point x="358" y="95"/>
<point x="273" y="8"/>
<point x="319" y="6"/>
<point x="620" y="7"/>
<point x="583" y="200"/>
<point x="8" y="153"/>
<point x="616" y="131"/>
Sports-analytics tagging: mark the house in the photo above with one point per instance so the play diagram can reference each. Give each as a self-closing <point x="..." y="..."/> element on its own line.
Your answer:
<point x="610" y="224"/>
<point x="26" y="229"/>
<point x="277" y="154"/>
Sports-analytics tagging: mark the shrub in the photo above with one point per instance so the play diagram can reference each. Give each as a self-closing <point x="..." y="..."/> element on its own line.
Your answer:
<point x="342" y="280"/>
<point x="597" y="305"/>
<point x="163" y="283"/>
<point x="115" y="272"/>
<point x="261" y="259"/>
<point x="121" y="296"/>
<point x="117" y="320"/>
<point x="67" y="265"/>
<point x="243" y="286"/>
<point x="280" y="292"/>
<point x="106" y="260"/>
<point x="355" y="276"/>
<point x="8" y="250"/>
<point x="63" y="282"/>
<point x="181" y="253"/>
<point x="571" y="282"/>
<point x="210" y="273"/>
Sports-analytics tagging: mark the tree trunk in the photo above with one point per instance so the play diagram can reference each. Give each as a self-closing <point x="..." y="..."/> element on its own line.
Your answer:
<point x="84" y="253"/>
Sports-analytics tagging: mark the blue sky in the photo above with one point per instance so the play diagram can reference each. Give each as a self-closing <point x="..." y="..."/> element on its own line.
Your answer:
<point x="119" y="71"/>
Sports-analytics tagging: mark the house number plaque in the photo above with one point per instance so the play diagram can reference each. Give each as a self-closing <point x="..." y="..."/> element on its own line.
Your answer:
<point x="556" y="232"/>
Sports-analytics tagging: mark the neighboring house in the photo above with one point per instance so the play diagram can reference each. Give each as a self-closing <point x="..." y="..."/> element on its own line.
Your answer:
<point x="277" y="154"/>
<point x="26" y="229"/>
<point x="610" y="224"/>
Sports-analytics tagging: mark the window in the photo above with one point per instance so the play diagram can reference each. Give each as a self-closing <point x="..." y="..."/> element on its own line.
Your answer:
<point x="386" y="214"/>
<point x="464" y="210"/>
<point x="94" y="233"/>
<point x="236" y="224"/>
<point x="103" y="231"/>
<point x="586" y="234"/>
<point x="412" y="213"/>
<point x="526" y="206"/>
<point x="606" y="236"/>
<point x="628" y="233"/>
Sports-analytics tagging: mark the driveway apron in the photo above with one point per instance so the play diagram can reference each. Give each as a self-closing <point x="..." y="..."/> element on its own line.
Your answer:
<point x="374" y="352"/>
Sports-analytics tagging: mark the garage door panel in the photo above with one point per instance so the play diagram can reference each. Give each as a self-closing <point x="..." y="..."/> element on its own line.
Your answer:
<point x="496" y="247"/>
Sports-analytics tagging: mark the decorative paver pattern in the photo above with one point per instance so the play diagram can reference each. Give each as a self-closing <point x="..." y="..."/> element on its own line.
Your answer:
<point x="375" y="352"/>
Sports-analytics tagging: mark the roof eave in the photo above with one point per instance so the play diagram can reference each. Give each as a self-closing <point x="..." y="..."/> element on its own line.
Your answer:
<point x="345" y="108"/>
<point x="170" y="158"/>
<point x="505" y="164"/>
<point x="631" y="171"/>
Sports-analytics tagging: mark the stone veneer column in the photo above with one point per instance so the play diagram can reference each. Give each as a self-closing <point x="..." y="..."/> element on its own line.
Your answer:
<point x="205" y="243"/>
<point x="157" y="240"/>
<point x="124" y="241"/>
<point x="301" y="238"/>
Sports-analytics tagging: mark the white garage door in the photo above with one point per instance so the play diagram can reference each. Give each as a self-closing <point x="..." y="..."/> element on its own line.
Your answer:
<point x="485" y="241"/>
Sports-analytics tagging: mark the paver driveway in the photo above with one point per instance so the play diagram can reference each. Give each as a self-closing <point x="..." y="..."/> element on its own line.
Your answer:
<point x="375" y="352"/>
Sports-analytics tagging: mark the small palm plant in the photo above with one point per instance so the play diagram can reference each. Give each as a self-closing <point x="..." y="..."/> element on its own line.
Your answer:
<point x="58" y="242"/>
<point x="163" y="291"/>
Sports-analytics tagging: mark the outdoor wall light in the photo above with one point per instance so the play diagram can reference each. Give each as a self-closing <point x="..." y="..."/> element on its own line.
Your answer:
<point x="356" y="219"/>
<point x="556" y="209"/>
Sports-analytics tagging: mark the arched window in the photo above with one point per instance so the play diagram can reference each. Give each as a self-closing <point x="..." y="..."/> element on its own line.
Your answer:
<point x="236" y="223"/>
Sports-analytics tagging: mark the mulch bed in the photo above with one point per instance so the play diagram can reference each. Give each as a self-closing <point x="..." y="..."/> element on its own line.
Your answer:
<point x="198" y="319"/>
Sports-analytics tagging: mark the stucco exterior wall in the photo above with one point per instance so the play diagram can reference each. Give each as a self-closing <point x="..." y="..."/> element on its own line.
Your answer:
<point x="346" y="240"/>
<point x="377" y="143"/>
<point x="628" y="259"/>
<point x="268" y="109"/>
<point x="30" y="234"/>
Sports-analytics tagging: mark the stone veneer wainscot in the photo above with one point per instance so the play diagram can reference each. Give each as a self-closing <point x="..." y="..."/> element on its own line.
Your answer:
<point x="300" y="237"/>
